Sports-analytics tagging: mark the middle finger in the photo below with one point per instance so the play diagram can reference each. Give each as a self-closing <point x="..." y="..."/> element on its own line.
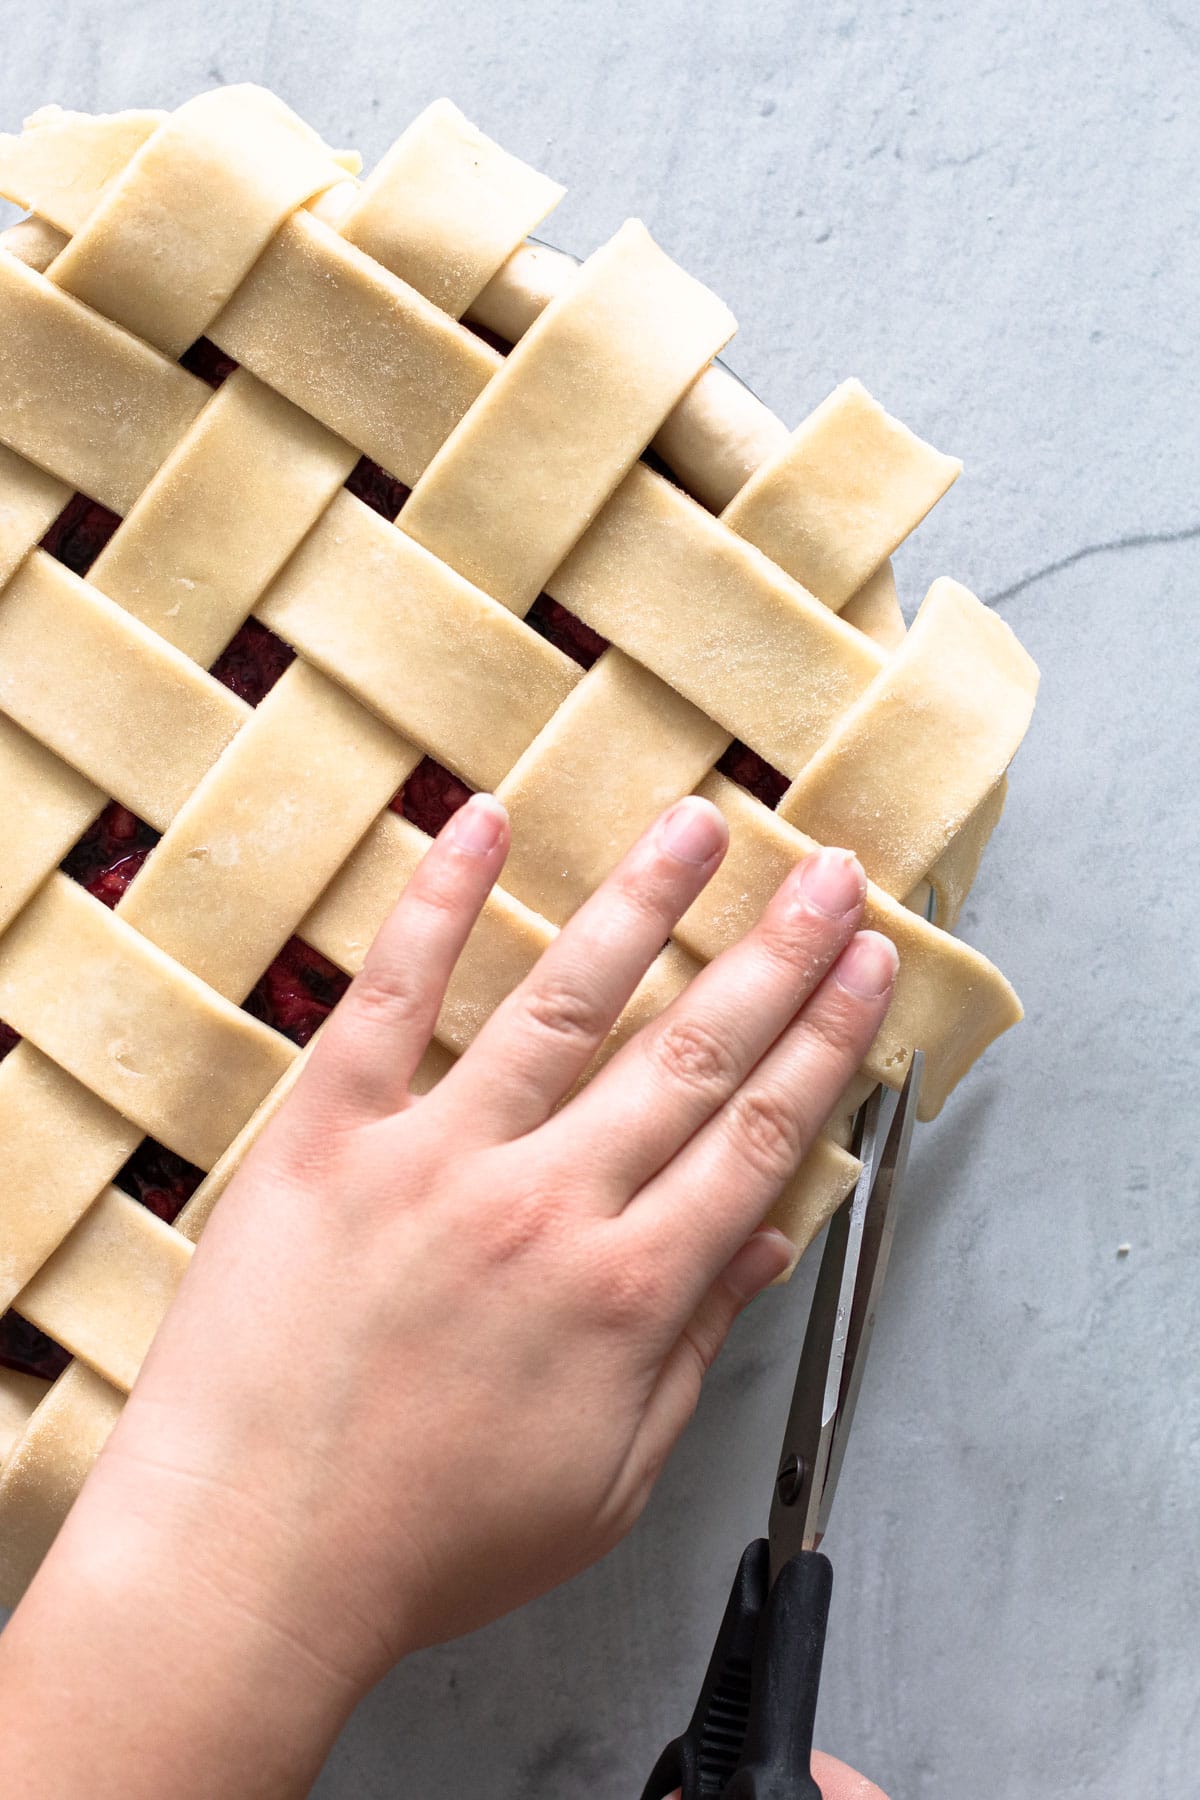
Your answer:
<point x="641" y="1109"/>
<point x="540" y="1040"/>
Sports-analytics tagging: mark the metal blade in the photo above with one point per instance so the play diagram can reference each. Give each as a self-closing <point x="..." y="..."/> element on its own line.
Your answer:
<point x="840" y="1321"/>
<point x="876" y="1248"/>
<point x="809" y="1434"/>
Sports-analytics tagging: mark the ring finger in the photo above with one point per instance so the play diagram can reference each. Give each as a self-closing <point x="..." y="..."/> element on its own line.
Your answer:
<point x="675" y="1074"/>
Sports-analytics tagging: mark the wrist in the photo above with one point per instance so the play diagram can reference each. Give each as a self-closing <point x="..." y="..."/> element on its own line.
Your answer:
<point x="176" y="1646"/>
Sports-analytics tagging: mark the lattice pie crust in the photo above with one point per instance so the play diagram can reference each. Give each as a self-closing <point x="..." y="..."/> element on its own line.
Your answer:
<point x="747" y="597"/>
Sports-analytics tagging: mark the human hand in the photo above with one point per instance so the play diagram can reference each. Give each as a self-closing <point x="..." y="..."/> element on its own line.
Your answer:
<point x="838" y="1782"/>
<point x="525" y="1300"/>
<point x="432" y="1353"/>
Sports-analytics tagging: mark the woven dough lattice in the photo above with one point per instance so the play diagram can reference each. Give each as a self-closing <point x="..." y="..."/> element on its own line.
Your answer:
<point x="744" y="594"/>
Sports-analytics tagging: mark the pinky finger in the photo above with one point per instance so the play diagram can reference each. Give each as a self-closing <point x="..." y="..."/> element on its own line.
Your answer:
<point x="696" y="1212"/>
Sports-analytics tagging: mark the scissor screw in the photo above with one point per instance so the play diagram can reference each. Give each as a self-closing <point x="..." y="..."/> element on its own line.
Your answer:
<point x="790" y="1480"/>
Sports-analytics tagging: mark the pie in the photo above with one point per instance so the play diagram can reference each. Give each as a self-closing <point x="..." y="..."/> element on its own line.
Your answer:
<point x="324" y="502"/>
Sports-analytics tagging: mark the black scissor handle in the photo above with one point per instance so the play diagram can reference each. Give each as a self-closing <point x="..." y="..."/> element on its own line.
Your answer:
<point x="750" y="1736"/>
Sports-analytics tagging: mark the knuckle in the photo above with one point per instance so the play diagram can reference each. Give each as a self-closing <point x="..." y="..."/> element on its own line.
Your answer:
<point x="836" y="1034"/>
<point x="441" y="897"/>
<point x="644" y="893"/>
<point x="524" y="1225"/>
<point x="801" y="942"/>
<point x="769" y="1131"/>
<point x="388" y="991"/>
<point x="563" y="1013"/>
<point x="692" y="1055"/>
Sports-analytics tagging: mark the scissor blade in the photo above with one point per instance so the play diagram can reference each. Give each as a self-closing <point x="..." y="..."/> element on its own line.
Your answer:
<point x="809" y="1435"/>
<point x="840" y="1322"/>
<point x="875" y="1249"/>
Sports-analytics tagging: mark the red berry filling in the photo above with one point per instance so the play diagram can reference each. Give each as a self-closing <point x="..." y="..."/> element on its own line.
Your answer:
<point x="750" y="771"/>
<point x="110" y="853"/>
<point x="430" y="795"/>
<point x="252" y="662"/>
<point x="298" y="991"/>
<point x="565" y="631"/>
<point x="160" y="1178"/>
<point x="24" y="1348"/>
<point x="376" y="488"/>
<point x="79" y="533"/>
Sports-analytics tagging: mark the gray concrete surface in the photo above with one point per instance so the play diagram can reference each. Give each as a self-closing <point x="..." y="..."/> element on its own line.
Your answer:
<point x="986" y="211"/>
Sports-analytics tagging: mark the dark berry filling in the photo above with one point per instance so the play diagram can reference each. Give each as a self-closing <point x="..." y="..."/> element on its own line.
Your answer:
<point x="567" y="633"/>
<point x="430" y="795"/>
<point x="24" y="1348"/>
<point x="488" y="336"/>
<point x="206" y="361"/>
<point x="376" y="488"/>
<point x="79" y="533"/>
<point x="252" y="662"/>
<point x="160" y="1178"/>
<point x="298" y="991"/>
<point x="751" y="771"/>
<point x="110" y="853"/>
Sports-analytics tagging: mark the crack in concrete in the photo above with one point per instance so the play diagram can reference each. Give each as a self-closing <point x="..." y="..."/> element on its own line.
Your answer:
<point x="1136" y="541"/>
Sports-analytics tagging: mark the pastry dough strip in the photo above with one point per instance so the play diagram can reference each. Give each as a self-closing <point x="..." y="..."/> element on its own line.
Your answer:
<point x="80" y="397"/>
<point x="174" y="233"/>
<point x="565" y="417"/>
<point x="77" y="1383"/>
<point x="445" y="207"/>
<point x="141" y="1032"/>
<point x="961" y="669"/>
<point x="187" y="562"/>
<point x="62" y="1145"/>
<point x="30" y="501"/>
<point x="113" y="699"/>
<point x="43" y="1474"/>
<point x="438" y="659"/>
<point x="47" y="809"/>
<point x="847" y="488"/>
<point x="703" y="675"/>
<point x="103" y="1293"/>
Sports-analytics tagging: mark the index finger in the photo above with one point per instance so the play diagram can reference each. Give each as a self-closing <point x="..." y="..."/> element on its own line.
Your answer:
<point x="376" y="1037"/>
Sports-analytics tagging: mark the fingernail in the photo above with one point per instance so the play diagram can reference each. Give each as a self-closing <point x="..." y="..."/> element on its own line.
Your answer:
<point x="867" y="966"/>
<point x="476" y="827"/>
<point x="693" y="831"/>
<point x="761" y="1260"/>
<point x="832" y="882"/>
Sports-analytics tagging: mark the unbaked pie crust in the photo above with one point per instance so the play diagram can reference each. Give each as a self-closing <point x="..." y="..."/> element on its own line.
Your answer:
<point x="747" y="597"/>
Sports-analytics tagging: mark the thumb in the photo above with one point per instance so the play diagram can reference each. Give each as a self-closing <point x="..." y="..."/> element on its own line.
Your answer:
<point x="838" y="1782"/>
<point x="835" y="1780"/>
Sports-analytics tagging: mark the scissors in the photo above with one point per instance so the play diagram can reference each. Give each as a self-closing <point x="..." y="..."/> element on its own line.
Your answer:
<point x="750" y="1736"/>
